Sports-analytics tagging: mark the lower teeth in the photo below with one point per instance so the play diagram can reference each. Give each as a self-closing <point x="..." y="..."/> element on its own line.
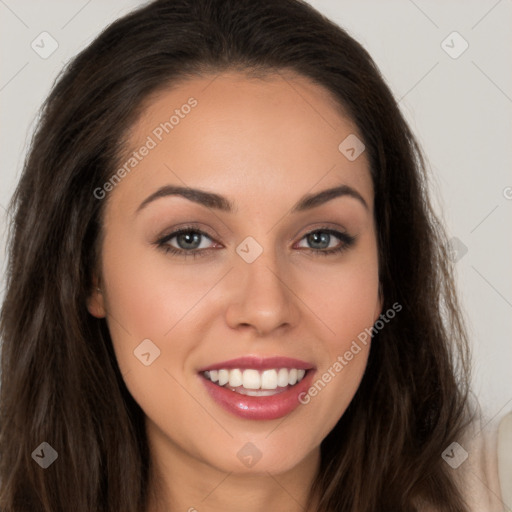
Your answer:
<point x="257" y="392"/>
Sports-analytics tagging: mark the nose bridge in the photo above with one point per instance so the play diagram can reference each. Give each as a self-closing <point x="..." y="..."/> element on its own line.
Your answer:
<point x="261" y="298"/>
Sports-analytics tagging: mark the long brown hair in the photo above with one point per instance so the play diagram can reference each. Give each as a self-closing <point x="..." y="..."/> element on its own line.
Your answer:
<point x="60" y="381"/>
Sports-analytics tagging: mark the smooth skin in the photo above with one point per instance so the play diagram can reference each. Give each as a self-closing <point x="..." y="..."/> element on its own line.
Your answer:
<point x="263" y="144"/>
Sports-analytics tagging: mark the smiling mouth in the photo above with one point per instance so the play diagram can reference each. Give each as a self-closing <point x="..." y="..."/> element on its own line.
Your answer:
<point x="253" y="382"/>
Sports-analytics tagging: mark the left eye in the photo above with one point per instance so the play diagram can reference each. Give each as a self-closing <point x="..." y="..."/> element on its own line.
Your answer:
<point x="321" y="237"/>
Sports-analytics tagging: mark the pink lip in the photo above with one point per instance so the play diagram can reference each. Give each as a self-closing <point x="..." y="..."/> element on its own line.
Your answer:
<point x="259" y="407"/>
<point x="259" y="363"/>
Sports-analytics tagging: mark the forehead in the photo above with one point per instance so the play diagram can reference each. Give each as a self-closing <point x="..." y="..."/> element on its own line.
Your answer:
<point x="266" y="138"/>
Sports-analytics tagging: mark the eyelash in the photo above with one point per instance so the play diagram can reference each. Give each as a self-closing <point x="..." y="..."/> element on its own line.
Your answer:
<point x="162" y="243"/>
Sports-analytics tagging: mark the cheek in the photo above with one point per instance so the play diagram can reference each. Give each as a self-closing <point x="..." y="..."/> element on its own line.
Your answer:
<point x="149" y="293"/>
<point x="347" y="305"/>
<point x="149" y="299"/>
<point x="345" y="301"/>
<point x="344" y="298"/>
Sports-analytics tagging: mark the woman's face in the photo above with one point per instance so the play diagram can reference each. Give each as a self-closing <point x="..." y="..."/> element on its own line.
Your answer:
<point x="251" y="282"/>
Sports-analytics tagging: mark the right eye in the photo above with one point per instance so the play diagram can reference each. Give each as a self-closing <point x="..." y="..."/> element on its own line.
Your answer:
<point x="188" y="241"/>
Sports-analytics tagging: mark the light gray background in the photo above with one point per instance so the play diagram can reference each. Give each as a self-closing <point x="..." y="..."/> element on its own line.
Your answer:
<point x="460" y="110"/>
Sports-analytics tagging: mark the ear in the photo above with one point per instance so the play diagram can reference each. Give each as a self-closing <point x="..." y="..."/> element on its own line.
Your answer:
<point x="95" y="300"/>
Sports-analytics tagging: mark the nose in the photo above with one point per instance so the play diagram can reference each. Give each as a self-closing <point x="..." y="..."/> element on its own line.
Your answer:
<point x="262" y="299"/>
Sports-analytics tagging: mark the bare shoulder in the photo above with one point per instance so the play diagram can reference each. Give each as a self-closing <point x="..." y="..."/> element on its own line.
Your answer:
<point x="475" y="461"/>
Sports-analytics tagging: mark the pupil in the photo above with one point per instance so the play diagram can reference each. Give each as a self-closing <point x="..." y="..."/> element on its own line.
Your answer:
<point x="187" y="238"/>
<point x="320" y="238"/>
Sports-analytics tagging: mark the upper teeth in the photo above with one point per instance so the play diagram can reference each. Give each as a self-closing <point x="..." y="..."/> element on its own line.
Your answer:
<point x="254" y="379"/>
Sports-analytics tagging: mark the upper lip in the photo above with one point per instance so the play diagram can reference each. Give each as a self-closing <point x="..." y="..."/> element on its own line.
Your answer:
<point x="259" y="363"/>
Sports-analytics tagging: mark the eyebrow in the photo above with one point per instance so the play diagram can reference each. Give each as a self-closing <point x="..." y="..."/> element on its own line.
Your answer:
<point x="219" y="202"/>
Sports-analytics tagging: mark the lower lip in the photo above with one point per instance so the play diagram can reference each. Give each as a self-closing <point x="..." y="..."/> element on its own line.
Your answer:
<point x="259" y="407"/>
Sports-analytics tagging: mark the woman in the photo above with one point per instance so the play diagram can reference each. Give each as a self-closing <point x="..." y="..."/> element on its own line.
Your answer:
<point x="227" y="288"/>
